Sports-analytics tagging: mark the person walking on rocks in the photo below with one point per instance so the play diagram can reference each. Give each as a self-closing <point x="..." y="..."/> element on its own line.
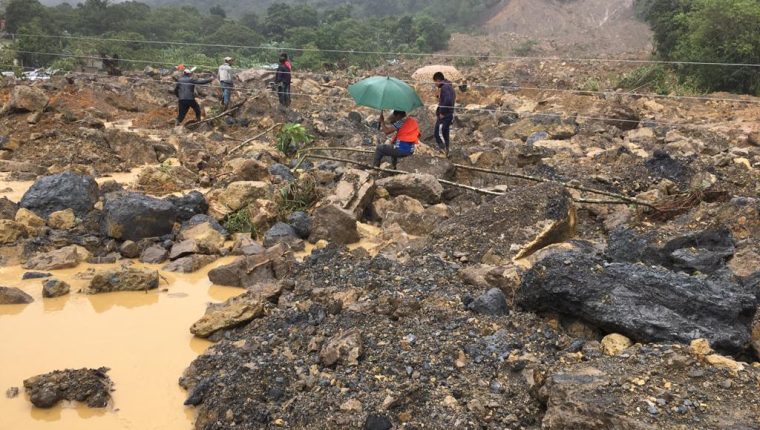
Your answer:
<point x="407" y="137"/>
<point x="283" y="79"/>
<point x="226" y="80"/>
<point x="184" y="89"/>
<point x="445" y="112"/>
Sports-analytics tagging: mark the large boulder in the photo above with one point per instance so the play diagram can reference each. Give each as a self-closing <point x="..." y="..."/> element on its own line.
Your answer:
<point x="206" y="235"/>
<point x="246" y="272"/>
<point x="645" y="303"/>
<point x="354" y="192"/>
<point x="133" y="148"/>
<point x="333" y="224"/>
<point x="14" y="296"/>
<point x="189" y="205"/>
<point x="26" y="99"/>
<point x="514" y="225"/>
<point x="134" y="216"/>
<point x="123" y="279"/>
<point x="233" y="312"/>
<point x="425" y="188"/>
<point x="89" y="386"/>
<point x="59" y="192"/>
<point x="239" y="194"/>
<point x="283" y="233"/>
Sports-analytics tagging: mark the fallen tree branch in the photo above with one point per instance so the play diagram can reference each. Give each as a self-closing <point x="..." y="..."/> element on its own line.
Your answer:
<point x="332" y="148"/>
<point x="601" y="202"/>
<point x="564" y="184"/>
<point x="229" y="111"/>
<point x="401" y="172"/>
<point x="247" y="141"/>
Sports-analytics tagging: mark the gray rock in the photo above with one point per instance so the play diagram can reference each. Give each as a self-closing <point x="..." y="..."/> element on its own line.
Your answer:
<point x="123" y="279"/>
<point x="493" y="302"/>
<point x="189" y="264"/>
<point x="155" y="254"/>
<point x="281" y="171"/>
<point x="377" y="422"/>
<point x="422" y="187"/>
<point x="189" y="205"/>
<point x="14" y="296"/>
<point x="129" y="249"/>
<point x="35" y="275"/>
<point x="283" y="233"/>
<point x="301" y="223"/>
<point x="642" y="302"/>
<point x="275" y="263"/>
<point x="333" y="224"/>
<point x="135" y="216"/>
<point x="55" y="288"/>
<point x="536" y="137"/>
<point x="61" y="191"/>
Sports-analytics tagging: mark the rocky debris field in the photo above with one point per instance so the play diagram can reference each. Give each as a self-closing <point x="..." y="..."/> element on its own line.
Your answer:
<point x="506" y="303"/>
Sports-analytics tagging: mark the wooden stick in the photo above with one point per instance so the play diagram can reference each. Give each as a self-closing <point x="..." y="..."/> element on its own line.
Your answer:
<point x="401" y="172"/>
<point x="230" y="110"/>
<point x="247" y="141"/>
<point x="332" y="148"/>
<point x="564" y="184"/>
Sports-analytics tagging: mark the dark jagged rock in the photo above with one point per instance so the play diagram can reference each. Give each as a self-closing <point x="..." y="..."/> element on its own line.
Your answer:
<point x="492" y="302"/>
<point x="35" y="275"/>
<point x="14" y="296"/>
<point x="189" y="205"/>
<point x="644" y="303"/>
<point x="61" y="191"/>
<point x="281" y="171"/>
<point x="301" y="223"/>
<point x="703" y="251"/>
<point x="377" y="422"/>
<point x="662" y="165"/>
<point x="283" y="233"/>
<point x="89" y="386"/>
<point x="135" y="216"/>
<point x="55" y="288"/>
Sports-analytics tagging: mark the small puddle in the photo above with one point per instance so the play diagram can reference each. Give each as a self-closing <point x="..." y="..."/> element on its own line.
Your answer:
<point x="143" y="338"/>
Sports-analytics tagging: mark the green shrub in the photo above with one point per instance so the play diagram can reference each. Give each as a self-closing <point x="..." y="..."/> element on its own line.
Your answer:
<point x="296" y="196"/>
<point x="292" y="137"/>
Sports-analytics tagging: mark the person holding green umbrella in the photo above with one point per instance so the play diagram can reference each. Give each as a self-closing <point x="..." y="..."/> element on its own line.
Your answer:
<point x="383" y="92"/>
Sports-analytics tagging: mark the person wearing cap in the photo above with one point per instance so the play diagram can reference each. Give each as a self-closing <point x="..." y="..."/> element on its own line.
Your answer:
<point x="407" y="137"/>
<point x="225" y="79"/>
<point x="184" y="89"/>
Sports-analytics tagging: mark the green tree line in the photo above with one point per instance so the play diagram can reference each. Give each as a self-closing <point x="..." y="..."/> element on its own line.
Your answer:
<point x="281" y="25"/>
<point x="712" y="31"/>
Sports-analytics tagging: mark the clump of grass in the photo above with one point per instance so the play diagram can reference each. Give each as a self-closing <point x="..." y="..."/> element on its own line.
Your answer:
<point x="239" y="222"/>
<point x="525" y="48"/>
<point x="296" y="196"/>
<point x="658" y="79"/>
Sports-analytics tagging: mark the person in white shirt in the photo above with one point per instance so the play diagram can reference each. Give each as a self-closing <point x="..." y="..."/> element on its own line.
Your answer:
<point x="225" y="79"/>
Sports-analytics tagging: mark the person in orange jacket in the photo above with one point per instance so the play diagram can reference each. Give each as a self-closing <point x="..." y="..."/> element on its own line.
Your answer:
<point x="407" y="137"/>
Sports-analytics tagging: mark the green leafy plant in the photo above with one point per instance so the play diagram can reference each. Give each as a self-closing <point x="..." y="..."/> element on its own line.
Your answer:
<point x="296" y="196"/>
<point x="526" y="48"/>
<point x="292" y="137"/>
<point x="239" y="222"/>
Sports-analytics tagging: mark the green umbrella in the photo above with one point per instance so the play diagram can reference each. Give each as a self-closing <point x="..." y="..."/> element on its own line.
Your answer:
<point x="382" y="92"/>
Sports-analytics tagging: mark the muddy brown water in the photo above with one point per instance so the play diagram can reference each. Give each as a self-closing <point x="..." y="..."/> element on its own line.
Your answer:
<point x="143" y="338"/>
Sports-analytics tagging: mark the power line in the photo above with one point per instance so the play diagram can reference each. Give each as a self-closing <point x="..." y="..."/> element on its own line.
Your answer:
<point x="412" y="82"/>
<point x="390" y="53"/>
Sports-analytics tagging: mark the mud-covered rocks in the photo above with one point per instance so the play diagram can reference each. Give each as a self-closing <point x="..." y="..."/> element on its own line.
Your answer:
<point x="514" y="225"/>
<point x="33" y="224"/>
<point x="135" y="216"/>
<point x="344" y="348"/>
<point x="333" y="224"/>
<point x="154" y="254"/>
<point x="11" y="231"/>
<point x="239" y="194"/>
<point x="206" y="234"/>
<point x="8" y="209"/>
<point x="63" y="258"/>
<point x="354" y="192"/>
<point x="233" y="312"/>
<point x="123" y="279"/>
<point x="89" y="386"/>
<point x="55" y="288"/>
<point x="62" y="220"/>
<point x="248" y="271"/>
<point x="190" y="263"/>
<point x="423" y="187"/>
<point x="14" y="296"/>
<point x="61" y="191"/>
<point x="26" y="99"/>
<point x="642" y="302"/>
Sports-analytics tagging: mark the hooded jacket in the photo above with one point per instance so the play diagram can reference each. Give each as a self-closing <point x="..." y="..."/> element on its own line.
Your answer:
<point x="446" y="100"/>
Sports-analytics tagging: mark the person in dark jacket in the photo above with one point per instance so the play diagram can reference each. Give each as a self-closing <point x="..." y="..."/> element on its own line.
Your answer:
<point x="184" y="89"/>
<point x="445" y="113"/>
<point x="282" y="79"/>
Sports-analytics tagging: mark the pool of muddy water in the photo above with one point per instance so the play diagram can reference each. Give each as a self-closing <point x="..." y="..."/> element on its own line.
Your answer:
<point x="143" y="338"/>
